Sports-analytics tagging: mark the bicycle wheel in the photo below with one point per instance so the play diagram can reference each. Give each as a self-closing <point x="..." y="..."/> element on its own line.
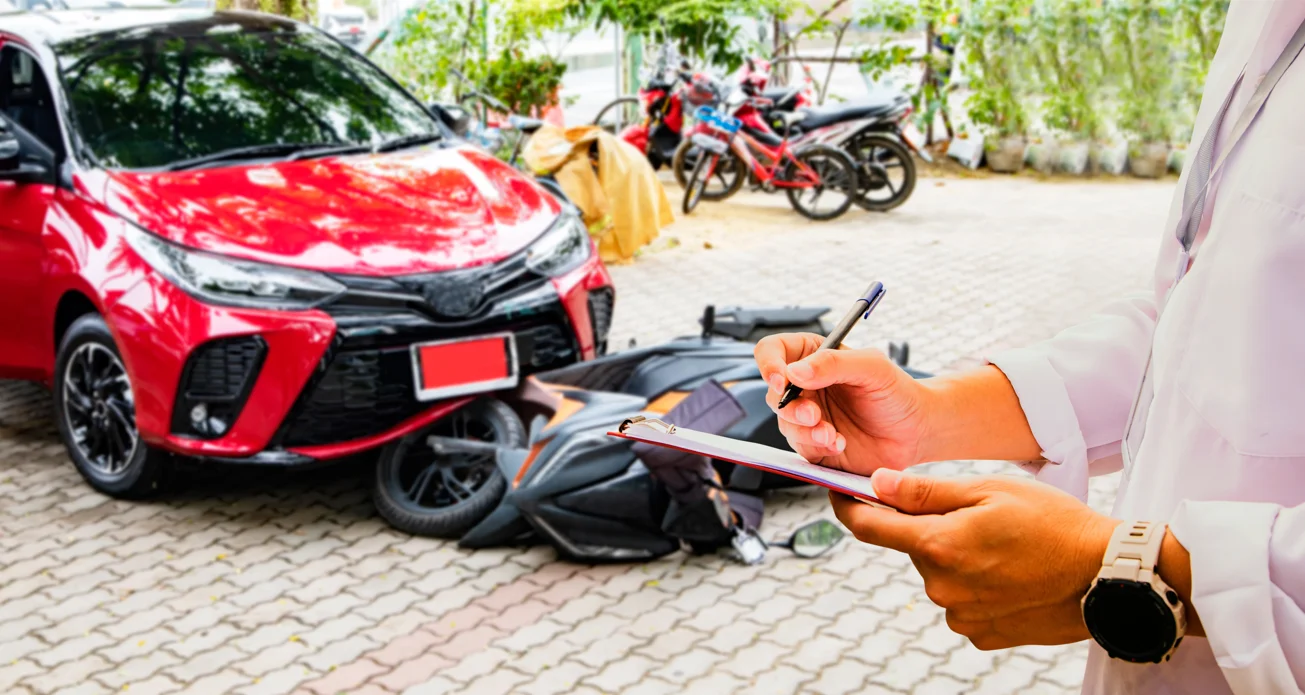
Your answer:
<point x="725" y="182"/>
<point x="618" y="114"/>
<point x="835" y="184"/>
<point x="885" y="169"/>
<point x="698" y="181"/>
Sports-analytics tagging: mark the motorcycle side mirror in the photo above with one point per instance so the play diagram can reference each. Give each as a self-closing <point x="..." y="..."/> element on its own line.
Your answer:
<point x="815" y="539"/>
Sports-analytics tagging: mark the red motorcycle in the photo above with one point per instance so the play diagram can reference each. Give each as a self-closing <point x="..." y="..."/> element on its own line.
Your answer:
<point x="653" y="122"/>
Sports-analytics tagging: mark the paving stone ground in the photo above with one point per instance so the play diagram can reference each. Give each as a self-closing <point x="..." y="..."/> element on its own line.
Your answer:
<point x="249" y="581"/>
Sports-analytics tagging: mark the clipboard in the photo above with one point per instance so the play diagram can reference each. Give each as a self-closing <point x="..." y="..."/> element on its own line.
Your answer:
<point x="750" y="454"/>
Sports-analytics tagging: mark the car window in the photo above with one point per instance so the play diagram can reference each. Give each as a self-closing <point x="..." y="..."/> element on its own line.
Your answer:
<point x="25" y="97"/>
<point x="148" y="99"/>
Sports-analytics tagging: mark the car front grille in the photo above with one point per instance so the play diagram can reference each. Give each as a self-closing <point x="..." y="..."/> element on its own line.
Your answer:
<point x="601" y="302"/>
<point x="366" y="391"/>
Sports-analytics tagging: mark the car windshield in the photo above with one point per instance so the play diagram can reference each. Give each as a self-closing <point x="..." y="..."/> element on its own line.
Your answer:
<point x="192" y="91"/>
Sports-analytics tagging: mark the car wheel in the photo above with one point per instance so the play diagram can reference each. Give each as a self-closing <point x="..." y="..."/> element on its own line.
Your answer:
<point x="444" y="495"/>
<point x="96" y="415"/>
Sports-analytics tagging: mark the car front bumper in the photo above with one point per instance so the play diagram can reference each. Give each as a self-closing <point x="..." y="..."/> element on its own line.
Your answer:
<point x="288" y="388"/>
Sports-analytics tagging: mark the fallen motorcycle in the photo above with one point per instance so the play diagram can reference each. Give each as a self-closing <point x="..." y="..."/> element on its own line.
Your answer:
<point x="488" y="480"/>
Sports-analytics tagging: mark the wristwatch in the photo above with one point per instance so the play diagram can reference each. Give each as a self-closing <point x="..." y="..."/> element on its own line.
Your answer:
<point x="1129" y="609"/>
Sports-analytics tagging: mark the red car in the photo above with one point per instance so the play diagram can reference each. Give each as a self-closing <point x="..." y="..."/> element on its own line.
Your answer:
<point x="227" y="236"/>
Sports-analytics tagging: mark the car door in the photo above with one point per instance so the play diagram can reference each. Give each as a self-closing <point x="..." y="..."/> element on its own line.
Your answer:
<point x="26" y="103"/>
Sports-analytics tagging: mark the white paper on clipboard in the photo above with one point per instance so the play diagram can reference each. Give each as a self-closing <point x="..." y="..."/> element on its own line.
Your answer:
<point x="751" y="454"/>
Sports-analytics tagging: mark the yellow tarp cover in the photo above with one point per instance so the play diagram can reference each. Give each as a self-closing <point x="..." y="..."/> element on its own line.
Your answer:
<point x="623" y="203"/>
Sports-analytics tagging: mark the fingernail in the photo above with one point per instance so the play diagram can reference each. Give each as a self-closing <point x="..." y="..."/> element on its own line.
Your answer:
<point x="821" y="436"/>
<point x="885" y="482"/>
<point x="840" y="443"/>
<point x="809" y="414"/>
<point x="801" y="370"/>
<point x="776" y="383"/>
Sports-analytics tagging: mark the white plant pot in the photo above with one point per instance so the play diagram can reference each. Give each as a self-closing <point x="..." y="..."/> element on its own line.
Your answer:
<point x="1072" y="158"/>
<point x="1111" y="157"/>
<point x="967" y="150"/>
<point x="1006" y="156"/>
<point x="1042" y="156"/>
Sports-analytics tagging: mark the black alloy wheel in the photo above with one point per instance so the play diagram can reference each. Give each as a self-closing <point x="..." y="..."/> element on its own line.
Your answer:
<point x="886" y="172"/>
<point x="95" y="412"/>
<point x="619" y="114"/>
<point x="444" y="495"/>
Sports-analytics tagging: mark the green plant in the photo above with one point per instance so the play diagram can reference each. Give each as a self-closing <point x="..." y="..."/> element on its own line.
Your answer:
<point x="702" y="29"/>
<point x="1069" y="60"/>
<point x="1142" y="45"/>
<point x="996" y="37"/>
<point x="522" y="83"/>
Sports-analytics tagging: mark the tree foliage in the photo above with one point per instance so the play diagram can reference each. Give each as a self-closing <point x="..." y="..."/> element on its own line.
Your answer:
<point x="700" y="29"/>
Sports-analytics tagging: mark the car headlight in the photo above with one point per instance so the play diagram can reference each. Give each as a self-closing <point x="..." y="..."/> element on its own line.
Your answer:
<point x="232" y="281"/>
<point x="562" y="248"/>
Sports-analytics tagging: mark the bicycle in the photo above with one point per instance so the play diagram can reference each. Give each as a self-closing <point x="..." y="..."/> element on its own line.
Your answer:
<point x="807" y="173"/>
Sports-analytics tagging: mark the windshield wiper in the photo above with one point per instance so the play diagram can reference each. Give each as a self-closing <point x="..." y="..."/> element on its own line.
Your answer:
<point x="329" y="150"/>
<point x="406" y="141"/>
<point x="278" y="149"/>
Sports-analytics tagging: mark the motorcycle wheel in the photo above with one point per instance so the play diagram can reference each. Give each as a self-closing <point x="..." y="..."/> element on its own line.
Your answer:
<point x="837" y="176"/>
<point x="729" y="173"/>
<point x="698" y="181"/>
<point x="886" y="172"/>
<point x="618" y="114"/>
<point x="443" y="496"/>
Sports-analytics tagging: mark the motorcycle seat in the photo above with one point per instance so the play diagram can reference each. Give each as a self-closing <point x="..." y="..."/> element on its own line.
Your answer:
<point x="781" y="97"/>
<point x="865" y="107"/>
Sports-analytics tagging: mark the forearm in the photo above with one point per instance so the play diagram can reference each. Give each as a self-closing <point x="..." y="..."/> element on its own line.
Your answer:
<point x="975" y="415"/>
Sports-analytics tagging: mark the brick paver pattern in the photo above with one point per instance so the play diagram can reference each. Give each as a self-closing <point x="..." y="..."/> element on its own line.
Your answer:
<point x="251" y="581"/>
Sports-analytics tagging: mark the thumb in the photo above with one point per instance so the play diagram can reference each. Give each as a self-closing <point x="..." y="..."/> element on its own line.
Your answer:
<point x="867" y="368"/>
<point x="921" y="494"/>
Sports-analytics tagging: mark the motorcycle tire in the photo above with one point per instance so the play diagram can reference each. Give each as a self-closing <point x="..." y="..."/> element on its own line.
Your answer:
<point x="837" y="173"/>
<point x="698" y="181"/>
<point x="876" y="157"/>
<point x="410" y="505"/>
<point x="617" y="114"/>
<point x="686" y="156"/>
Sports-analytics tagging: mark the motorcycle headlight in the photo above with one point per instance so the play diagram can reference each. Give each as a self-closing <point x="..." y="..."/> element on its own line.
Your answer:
<point x="562" y="248"/>
<point x="232" y="281"/>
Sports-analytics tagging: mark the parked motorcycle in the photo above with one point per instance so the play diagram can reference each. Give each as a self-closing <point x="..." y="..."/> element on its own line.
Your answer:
<point x="488" y="480"/>
<point x="653" y="122"/>
<point x="870" y="129"/>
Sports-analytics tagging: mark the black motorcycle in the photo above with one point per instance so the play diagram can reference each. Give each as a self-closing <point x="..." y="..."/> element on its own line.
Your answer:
<point x="488" y="480"/>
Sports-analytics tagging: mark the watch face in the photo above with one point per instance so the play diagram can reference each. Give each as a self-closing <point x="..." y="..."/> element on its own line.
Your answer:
<point x="1130" y="620"/>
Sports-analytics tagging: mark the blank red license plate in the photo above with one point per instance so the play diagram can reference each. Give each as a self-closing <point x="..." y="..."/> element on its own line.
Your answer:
<point x="458" y="367"/>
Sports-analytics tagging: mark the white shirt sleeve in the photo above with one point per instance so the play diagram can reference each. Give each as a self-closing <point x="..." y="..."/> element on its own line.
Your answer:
<point x="1248" y="586"/>
<point x="1077" y="388"/>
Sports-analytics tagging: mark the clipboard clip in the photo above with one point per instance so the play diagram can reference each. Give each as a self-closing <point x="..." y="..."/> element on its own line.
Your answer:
<point x="653" y="422"/>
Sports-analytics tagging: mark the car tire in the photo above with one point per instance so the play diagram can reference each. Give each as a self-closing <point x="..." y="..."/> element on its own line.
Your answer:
<point x="96" y="416"/>
<point x="403" y="500"/>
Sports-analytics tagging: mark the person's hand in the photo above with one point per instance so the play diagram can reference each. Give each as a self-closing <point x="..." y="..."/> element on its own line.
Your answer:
<point x="1009" y="559"/>
<point x="858" y="410"/>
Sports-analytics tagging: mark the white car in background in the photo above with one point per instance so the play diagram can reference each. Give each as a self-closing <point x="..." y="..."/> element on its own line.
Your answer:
<point x="348" y="24"/>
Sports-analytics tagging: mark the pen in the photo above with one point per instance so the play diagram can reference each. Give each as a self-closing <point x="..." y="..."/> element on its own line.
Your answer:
<point x="860" y="309"/>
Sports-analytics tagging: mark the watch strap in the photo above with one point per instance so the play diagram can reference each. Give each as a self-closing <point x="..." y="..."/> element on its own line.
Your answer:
<point x="1133" y="552"/>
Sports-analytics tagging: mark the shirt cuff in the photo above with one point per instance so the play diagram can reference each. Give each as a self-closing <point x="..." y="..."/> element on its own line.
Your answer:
<point x="1046" y="404"/>
<point x="1232" y="591"/>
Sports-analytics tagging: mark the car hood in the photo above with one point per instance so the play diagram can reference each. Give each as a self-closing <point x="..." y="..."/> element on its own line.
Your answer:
<point x="416" y="211"/>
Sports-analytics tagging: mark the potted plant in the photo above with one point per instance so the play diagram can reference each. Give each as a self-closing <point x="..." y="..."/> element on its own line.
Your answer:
<point x="1141" y="37"/>
<point x="1066" y="38"/>
<point x="995" y="33"/>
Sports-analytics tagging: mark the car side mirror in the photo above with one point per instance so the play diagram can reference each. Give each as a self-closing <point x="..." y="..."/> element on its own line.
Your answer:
<point x="11" y="151"/>
<point x="22" y="158"/>
<point x="454" y="116"/>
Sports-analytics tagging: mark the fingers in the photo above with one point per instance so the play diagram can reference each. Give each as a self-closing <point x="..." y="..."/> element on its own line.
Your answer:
<point x="823" y="368"/>
<point x="920" y="494"/>
<point x="774" y="353"/>
<point x="882" y="527"/>
<point x="801" y="411"/>
<point x="813" y="443"/>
